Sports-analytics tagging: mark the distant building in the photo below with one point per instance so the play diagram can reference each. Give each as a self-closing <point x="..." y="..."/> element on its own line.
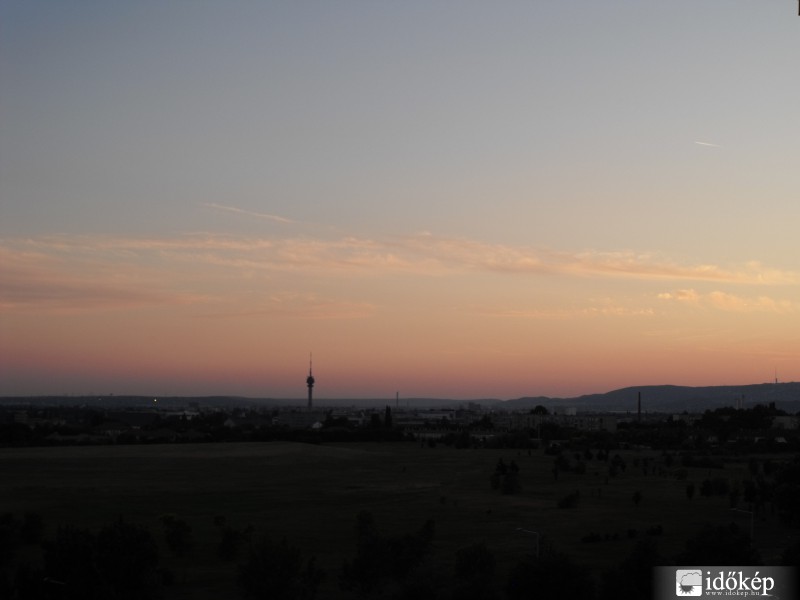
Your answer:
<point x="436" y="415"/>
<point x="135" y="419"/>
<point x="299" y="420"/>
<point x="582" y="422"/>
<point x="785" y="422"/>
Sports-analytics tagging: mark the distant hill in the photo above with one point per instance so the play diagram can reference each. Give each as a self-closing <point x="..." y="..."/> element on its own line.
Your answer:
<point x="116" y="402"/>
<point x="424" y="403"/>
<point x="655" y="398"/>
<point x="673" y="398"/>
<point x="230" y="402"/>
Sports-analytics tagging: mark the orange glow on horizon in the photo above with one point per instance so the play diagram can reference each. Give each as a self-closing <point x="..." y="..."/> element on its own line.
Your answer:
<point x="444" y="331"/>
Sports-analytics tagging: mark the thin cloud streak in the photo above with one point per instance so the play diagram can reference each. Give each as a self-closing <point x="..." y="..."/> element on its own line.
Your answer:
<point x="707" y="144"/>
<point x="249" y="213"/>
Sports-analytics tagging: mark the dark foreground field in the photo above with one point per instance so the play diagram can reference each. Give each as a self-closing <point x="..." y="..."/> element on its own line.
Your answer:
<point x="311" y="495"/>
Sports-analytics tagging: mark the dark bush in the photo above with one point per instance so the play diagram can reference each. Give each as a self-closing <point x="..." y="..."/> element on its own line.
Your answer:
<point x="570" y="500"/>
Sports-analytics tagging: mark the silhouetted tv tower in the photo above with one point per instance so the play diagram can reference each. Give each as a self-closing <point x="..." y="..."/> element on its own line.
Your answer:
<point x="310" y="382"/>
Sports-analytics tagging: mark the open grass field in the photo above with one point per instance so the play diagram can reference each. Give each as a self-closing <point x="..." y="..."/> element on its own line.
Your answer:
<point x="311" y="494"/>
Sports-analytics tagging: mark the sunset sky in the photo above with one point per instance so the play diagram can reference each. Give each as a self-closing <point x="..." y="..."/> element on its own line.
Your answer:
<point x="449" y="199"/>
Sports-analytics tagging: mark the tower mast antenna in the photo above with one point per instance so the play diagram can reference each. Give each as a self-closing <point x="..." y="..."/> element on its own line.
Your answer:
<point x="310" y="381"/>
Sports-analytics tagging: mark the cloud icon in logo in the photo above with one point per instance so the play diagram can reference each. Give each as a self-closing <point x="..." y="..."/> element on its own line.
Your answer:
<point x="689" y="583"/>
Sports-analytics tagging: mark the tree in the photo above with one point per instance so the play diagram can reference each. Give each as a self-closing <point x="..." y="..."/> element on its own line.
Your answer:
<point x="231" y="539"/>
<point x="791" y="555"/>
<point x="690" y="490"/>
<point x="381" y="560"/>
<point x="618" y="462"/>
<point x="475" y="560"/>
<point x="387" y="418"/>
<point x="475" y="571"/>
<point x="10" y="538"/>
<point x="119" y="562"/>
<point x="70" y="563"/>
<point x="127" y="558"/>
<point x="787" y="491"/>
<point x="276" y="571"/>
<point x="178" y="535"/>
<point x="506" y="478"/>
<point x="719" y="546"/>
<point x="553" y="576"/>
<point x="485" y="422"/>
<point x="570" y="500"/>
<point x="511" y="483"/>
<point x="637" y="497"/>
<point x="366" y="569"/>
<point x="633" y="578"/>
<point x="32" y="528"/>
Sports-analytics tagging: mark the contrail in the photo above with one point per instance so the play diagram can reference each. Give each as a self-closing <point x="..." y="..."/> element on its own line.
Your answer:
<point x="250" y="213"/>
<point x="708" y="144"/>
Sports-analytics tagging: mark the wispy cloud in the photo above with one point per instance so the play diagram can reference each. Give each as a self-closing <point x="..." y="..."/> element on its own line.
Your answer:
<point x="707" y="144"/>
<point x="688" y="296"/>
<point x="248" y="213"/>
<point x="730" y="302"/>
<point x="97" y="270"/>
<point x="34" y="281"/>
<point x="459" y="253"/>
<point x="567" y="313"/>
<point x="297" y="306"/>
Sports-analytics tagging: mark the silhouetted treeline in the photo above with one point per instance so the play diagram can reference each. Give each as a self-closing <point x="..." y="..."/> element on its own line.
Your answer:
<point x="719" y="432"/>
<point x="80" y="426"/>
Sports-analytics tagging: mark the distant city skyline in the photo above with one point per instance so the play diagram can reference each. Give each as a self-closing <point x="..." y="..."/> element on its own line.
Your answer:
<point x="456" y="200"/>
